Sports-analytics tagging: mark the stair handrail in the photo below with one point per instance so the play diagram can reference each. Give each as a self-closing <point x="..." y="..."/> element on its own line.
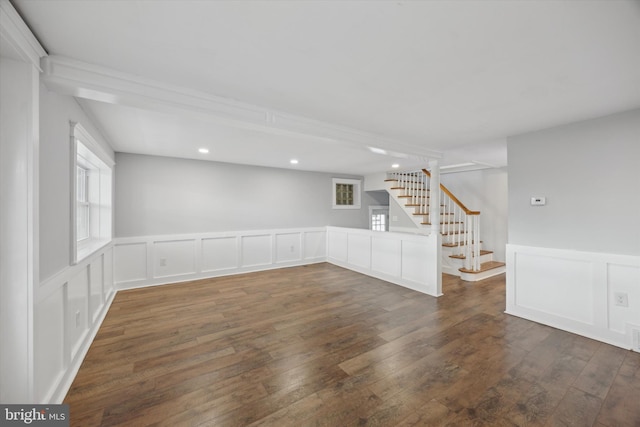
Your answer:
<point x="453" y="198"/>
<point x="466" y="230"/>
<point x="472" y="229"/>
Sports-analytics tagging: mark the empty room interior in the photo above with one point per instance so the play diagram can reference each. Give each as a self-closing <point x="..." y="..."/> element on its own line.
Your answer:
<point x="321" y="213"/>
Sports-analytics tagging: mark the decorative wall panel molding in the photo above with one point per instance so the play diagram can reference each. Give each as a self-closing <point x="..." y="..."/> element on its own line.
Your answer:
<point x="409" y="260"/>
<point x="155" y="260"/>
<point x="69" y="309"/>
<point x="576" y="291"/>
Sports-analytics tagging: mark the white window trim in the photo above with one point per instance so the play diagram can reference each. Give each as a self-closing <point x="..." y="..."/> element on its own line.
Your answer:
<point x="92" y="151"/>
<point x="357" y="193"/>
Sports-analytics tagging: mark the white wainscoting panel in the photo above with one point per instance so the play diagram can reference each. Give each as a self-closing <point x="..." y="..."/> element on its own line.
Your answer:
<point x="51" y="360"/>
<point x="220" y="253"/>
<point x="199" y="256"/>
<point x="338" y="244"/>
<point x="69" y="309"/>
<point x="567" y="293"/>
<point x="256" y="250"/>
<point x="77" y="308"/>
<point x="174" y="258"/>
<point x="624" y="279"/>
<point x="409" y="260"/>
<point x="131" y="259"/>
<point x="96" y="291"/>
<point x="359" y="250"/>
<point x="288" y="247"/>
<point x="413" y="265"/>
<point x="315" y="244"/>
<point x="575" y="291"/>
<point x="386" y="255"/>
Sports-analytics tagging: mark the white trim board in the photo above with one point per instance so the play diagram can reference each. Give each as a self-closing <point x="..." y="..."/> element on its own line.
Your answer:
<point x="574" y="291"/>
<point x="23" y="43"/>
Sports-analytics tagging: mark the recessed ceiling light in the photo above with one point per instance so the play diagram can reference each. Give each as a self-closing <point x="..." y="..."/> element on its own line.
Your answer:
<point x="203" y="150"/>
<point x="293" y="161"/>
<point x="395" y="166"/>
<point x="377" y="150"/>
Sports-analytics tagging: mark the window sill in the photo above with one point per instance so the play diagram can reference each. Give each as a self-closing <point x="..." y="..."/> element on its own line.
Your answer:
<point x="86" y="249"/>
<point x="346" y="206"/>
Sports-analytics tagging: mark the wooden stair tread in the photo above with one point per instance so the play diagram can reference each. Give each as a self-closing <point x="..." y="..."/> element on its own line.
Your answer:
<point x="490" y="265"/>
<point x="482" y="252"/>
<point x="453" y="245"/>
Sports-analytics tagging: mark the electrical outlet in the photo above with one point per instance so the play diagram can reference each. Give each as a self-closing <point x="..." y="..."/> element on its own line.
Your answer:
<point x="163" y="262"/>
<point x="621" y="299"/>
<point x="77" y="318"/>
<point x="292" y="249"/>
<point x="636" y="339"/>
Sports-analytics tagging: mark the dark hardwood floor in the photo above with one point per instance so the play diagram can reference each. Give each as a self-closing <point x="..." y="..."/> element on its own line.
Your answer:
<point x="320" y="345"/>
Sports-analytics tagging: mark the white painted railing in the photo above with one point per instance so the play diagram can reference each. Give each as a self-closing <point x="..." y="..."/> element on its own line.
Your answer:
<point x="460" y="226"/>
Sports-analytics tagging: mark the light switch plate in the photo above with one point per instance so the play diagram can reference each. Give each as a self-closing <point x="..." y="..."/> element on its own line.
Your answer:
<point x="538" y="201"/>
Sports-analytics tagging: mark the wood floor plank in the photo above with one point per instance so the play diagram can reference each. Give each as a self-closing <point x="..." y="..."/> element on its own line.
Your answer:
<point x="323" y="346"/>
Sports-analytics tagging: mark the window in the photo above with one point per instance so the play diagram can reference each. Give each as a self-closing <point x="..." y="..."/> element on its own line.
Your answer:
<point x="379" y="218"/>
<point x="82" y="204"/>
<point x="92" y="200"/>
<point x="378" y="222"/>
<point x="346" y="193"/>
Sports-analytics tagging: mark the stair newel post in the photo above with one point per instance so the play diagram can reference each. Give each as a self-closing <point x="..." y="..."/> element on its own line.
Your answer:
<point x="434" y="202"/>
<point x="427" y="193"/>
<point x="467" y="241"/>
<point x="476" y="241"/>
<point x="450" y="217"/>
<point x="413" y="189"/>
<point x="456" y="221"/>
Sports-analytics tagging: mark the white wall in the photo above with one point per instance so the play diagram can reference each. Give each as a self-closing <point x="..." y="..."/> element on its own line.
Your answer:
<point x="485" y="191"/>
<point x="160" y="195"/>
<point x="589" y="172"/>
<point x="70" y="301"/>
<point x="56" y="111"/>
<point x="399" y="220"/>
<point x="568" y="259"/>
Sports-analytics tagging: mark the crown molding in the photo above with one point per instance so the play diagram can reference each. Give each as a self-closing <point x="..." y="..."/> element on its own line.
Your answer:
<point x="16" y="35"/>
<point x="75" y="78"/>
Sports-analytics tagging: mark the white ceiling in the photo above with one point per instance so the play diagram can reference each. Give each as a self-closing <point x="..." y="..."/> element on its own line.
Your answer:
<point x="456" y="77"/>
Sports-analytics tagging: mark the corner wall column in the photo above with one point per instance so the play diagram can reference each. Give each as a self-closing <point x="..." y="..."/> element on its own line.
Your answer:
<point x="19" y="221"/>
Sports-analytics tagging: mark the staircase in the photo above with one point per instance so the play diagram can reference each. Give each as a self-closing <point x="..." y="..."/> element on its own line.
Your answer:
<point x="462" y="253"/>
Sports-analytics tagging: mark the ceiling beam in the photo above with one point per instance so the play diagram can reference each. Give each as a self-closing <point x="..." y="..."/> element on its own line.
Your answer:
<point x="71" y="77"/>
